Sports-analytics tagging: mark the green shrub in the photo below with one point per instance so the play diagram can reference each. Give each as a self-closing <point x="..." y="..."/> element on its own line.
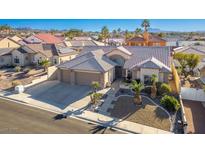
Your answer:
<point x="170" y="103"/>
<point x="17" y="68"/>
<point x="165" y="89"/>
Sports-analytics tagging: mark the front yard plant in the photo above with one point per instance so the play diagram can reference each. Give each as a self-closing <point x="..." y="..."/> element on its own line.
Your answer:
<point x="137" y="87"/>
<point x="94" y="96"/>
<point x="165" y="89"/>
<point x="154" y="87"/>
<point x="170" y="103"/>
<point x="17" y="69"/>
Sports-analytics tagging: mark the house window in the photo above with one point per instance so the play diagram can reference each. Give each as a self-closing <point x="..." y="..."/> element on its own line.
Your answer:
<point x="55" y="61"/>
<point x="147" y="79"/>
<point x="16" y="60"/>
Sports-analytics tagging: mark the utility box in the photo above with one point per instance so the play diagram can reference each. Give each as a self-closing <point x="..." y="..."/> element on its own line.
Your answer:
<point x="19" y="89"/>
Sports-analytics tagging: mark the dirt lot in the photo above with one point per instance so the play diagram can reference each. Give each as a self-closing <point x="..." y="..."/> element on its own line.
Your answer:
<point x="195" y="114"/>
<point x="146" y="114"/>
<point x="25" y="76"/>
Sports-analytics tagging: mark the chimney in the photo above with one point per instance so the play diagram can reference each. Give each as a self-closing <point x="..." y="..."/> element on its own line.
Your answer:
<point x="146" y="37"/>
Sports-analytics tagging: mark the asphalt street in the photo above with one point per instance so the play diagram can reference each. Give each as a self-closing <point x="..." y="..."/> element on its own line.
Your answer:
<point x="21" y="119"/>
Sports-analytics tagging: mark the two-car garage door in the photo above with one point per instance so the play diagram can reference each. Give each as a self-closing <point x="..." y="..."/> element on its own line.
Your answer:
<point x="83" y="78"/>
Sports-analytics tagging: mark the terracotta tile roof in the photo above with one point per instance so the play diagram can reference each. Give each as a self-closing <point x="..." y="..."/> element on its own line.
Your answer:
<point x="152" y="38"/>
<point x="48" y="38"/>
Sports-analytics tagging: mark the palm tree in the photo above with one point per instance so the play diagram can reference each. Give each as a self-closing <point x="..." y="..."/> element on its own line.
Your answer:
<point x="5" y="28"/>
<point x="94" y="96"/>
<point x="105" y="34"/>
<point x="154" y="87"/>
<point x="145" y="24"/>
<point x="138" y="31"/>
<point x="45" y="64"/>
<point x="137" y="87"/>
<point x="95" y="86"/>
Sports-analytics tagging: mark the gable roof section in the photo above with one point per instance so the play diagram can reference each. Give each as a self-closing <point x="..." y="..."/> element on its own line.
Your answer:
<point x="192" y="50"/>
<point x="140" y="54"/>
<point x="48" y="38"/>
<point x="153" y="63"/>
<point x="92" y="61"/>
<point x="122" y="49"/>
<point x="6" y="51"/>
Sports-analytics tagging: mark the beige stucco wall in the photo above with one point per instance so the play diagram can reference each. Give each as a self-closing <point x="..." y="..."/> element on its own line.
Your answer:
<point x="202" y="72"/>
<point x="20" y="56"/>
<point x="66" y="58"/>
<point x="5" y="60"/>
<point x="7" y="43"/>
<point x="39" y="57"/>
<point x="53" y="73"/>
<point x="146" y="71"/>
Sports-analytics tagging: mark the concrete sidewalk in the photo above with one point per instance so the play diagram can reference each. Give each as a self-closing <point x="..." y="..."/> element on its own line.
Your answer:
<point x="81" y="113"/>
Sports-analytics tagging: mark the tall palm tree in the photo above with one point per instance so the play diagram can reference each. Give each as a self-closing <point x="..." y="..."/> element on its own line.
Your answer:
<point x="137" y="87"/>
<point x="145" y="24"/>
<point x="105" y="34"/>
<point x="154" y="87"/>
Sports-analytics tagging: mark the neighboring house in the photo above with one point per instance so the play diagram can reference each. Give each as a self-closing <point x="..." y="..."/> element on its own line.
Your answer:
<point x="42" y="38"/>
<point x="199" y="50"/>
<point x="54" y="53"/>
<point x="105" y="64"/>
<point x="80" y="43"/>
<point x="33" y="54"/>
<point x="116" y="41"/>
<point x="82" y="38"/>
<point x="8" y="43"/>
<point x="22" y="56"/>
<point x="5" y="56"/>
<point x="146" y="39"/>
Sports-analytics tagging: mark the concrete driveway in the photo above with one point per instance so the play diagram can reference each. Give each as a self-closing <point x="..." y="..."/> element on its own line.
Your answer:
<point x="58" y="94"/>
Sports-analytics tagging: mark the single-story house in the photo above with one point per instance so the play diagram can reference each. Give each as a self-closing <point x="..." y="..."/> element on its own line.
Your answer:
<point x="105" y="64"/>
<point x="43" y="38"/>
<point x="35" y="53"/>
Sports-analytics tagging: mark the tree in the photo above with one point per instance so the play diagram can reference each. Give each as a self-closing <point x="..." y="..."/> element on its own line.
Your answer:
<point x="165" y="89"/>
<point x="94" y="96"/>
<point x="138" y="31"/>
<point x="145" y="24"/>
<point x="128" y="35"/>
<point x="95" y="86"/>
<point x="154" y="87"/>
<point x="6" y="28"/>
<point x="162" y="35"/>
<point x="73" y="33"/>
<point x="170" y="103"/>
<point x="137" y="87"/>
<point x="45" y="64"/>
<point x="105" y="34"/>
<point x="187" y="60"/>
<point x="192" y="61"/>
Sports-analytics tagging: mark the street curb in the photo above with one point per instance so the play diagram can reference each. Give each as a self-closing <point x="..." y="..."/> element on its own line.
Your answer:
<point x="71" y="116"/>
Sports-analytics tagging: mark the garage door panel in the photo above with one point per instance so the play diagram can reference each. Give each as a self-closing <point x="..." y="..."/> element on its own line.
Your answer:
<point x="83" y="78"/>
<point x="65" y="76"/>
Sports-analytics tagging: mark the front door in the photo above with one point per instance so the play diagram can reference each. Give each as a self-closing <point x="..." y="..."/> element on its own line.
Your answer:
<point x="118" y="71"/>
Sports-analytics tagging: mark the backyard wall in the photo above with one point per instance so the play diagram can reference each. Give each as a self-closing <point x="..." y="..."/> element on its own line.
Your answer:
<point x="52" y="73"/>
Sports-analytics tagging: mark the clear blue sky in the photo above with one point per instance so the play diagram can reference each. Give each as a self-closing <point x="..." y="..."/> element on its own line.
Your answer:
<point x="96" y="24"/>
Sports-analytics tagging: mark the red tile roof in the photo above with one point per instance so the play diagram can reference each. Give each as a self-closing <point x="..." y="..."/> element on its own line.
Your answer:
<point x="48" y="38"/>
